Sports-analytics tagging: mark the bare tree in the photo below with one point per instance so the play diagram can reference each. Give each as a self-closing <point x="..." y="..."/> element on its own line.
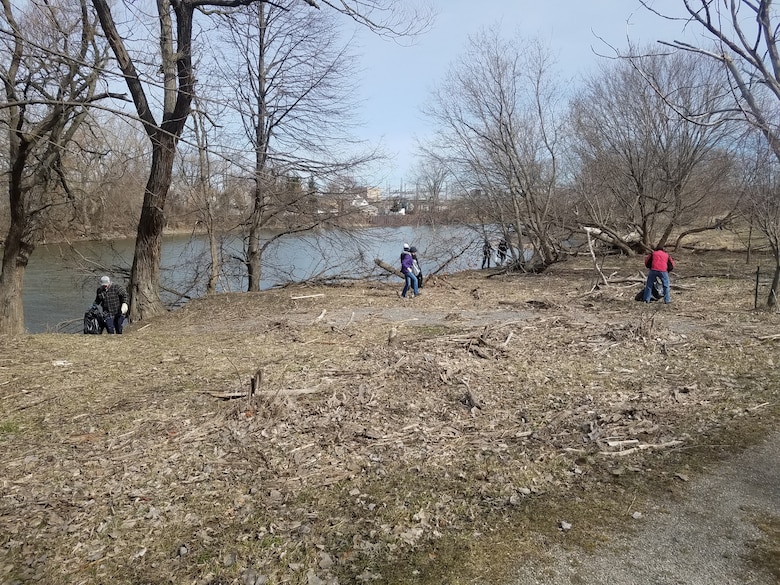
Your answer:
<point x="742" y="37"/>
<point x="761" y="203"/>
<point x="431" y="177"/>
<point x="175" y="22"/>
<point x="744" y="40"/>
<point x="178" y="86"/>
<point x="646" y="171"/>
<point x="106" y="162"/>
<point x="294" y="93"/>
<point x="50" y="67"/>
<point x="499" y="129"/>
<point x="203" y="194"/>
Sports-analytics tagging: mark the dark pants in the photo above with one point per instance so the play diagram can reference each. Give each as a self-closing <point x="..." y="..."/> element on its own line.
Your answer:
<point x="115" y="324"/>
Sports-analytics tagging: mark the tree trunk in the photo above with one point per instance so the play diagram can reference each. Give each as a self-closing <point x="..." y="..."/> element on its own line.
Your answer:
<point x="205" y="191"/>
<point x="11" y="307"/>
<point x="211" y="287"/>
<point x="772" y="301"/>
<point x="176" y="66"/>
<point x="254" y="256"/>
<point x="254" y="252"/>
<point x="18" y="247"/>
<point x="145" y="276"/>
<point x="16" y="254"/>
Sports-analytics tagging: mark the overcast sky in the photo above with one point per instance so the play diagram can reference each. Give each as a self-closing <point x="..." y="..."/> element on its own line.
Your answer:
<point x="398" y="79"/>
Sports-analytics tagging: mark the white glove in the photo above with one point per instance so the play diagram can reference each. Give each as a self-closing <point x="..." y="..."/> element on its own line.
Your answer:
<point x="124" y="308"/>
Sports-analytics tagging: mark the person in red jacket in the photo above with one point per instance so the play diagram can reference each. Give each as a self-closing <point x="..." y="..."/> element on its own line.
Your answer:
<point x="660" y="264"/>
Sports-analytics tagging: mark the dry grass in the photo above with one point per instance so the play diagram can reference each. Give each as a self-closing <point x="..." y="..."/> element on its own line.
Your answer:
<point x="386" y="433"/>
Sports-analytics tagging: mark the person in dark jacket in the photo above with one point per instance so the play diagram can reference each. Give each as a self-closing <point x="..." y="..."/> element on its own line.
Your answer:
<point x="113" y="299"/>
<point x="660" y="264"/>
<point x="503" y="248"/>
<point x="487" y="253"/>
<point x="416" y="267"/>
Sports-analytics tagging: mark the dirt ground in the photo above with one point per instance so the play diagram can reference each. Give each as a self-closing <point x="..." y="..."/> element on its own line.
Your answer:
<point x="452" y="438"/>
<point x="722" y="529"/>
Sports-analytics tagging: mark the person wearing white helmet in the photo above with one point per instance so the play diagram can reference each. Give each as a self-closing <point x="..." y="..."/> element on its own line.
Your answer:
<point x="410" y="279"/>
<point x="113" y="300"/>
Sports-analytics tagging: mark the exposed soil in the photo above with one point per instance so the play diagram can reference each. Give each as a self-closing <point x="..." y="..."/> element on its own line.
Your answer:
<point x="448" y="438"/>
<point x="721" y="529"/>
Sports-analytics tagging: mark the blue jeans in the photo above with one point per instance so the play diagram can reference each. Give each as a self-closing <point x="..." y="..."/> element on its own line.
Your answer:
<point x="410" y="280"/>
<point x="651" y="276"/>
<point x="115" y="323"/>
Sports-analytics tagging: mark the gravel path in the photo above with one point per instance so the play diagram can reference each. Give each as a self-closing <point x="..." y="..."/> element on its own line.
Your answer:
<point x="703" y="538"/>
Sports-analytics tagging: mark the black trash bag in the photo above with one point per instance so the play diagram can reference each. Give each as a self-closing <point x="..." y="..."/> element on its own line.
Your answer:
<point x="657" y="292"/>
<point x="93" y="321"/>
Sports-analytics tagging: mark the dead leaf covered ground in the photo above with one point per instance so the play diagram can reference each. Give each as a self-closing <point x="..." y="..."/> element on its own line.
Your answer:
<point x="388" y="440"/>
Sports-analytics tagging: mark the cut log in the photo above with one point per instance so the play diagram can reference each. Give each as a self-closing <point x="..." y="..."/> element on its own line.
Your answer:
<point x="385" y="266"/>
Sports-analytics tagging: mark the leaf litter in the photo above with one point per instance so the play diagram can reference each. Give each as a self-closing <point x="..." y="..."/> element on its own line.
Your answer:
<point x="326" y="434"/>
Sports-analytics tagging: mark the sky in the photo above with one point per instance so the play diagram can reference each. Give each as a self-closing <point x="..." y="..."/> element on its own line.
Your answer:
<point x="397" y="79"/>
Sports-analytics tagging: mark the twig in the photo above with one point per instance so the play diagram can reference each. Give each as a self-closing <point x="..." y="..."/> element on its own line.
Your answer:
<point x="641" y="448"/>
<point x="622" y="443"/>
<point x="595" y="261"/>
<point x="631" y="505"/>
<point x="320" y="318"/>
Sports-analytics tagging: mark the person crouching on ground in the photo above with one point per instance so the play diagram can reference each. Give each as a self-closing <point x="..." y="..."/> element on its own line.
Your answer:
<point x="407" y="269"/>
<point x="113" y="299"/>
<point x="660" y="264"/>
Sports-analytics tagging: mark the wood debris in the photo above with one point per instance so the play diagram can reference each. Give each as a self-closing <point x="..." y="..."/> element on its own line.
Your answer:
<point x="327" y="436"/>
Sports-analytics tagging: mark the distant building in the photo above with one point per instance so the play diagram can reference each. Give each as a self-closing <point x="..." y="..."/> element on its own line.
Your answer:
<point x="364" y="206"/>
<point x="370" y="194"/>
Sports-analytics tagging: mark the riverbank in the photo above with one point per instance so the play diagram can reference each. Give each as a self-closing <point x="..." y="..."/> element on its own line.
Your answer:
<point x="429" y="440"/>
<point x="60" y="282"/>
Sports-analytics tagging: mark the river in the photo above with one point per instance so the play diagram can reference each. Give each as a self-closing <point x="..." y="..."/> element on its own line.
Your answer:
<point x="61" y="280"/>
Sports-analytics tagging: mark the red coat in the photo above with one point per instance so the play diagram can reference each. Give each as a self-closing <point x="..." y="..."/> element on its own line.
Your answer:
<point x="660" y="261"/>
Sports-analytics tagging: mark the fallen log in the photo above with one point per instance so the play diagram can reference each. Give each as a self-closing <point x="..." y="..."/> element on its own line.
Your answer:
<point x="385" y="266"/>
